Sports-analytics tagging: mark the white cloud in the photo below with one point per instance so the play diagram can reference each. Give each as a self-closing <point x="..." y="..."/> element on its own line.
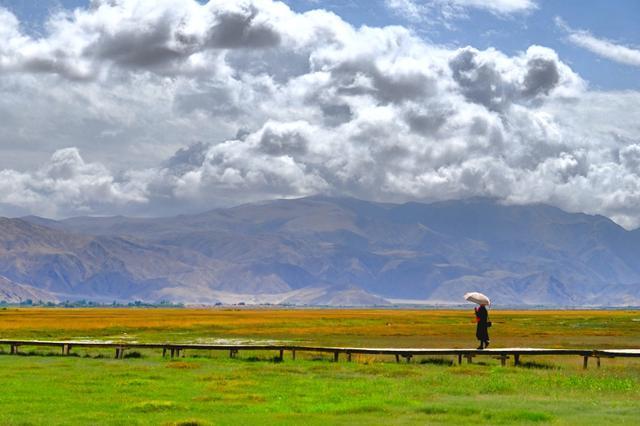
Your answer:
<point x="176" y="107"/>
<point x="409" y="9"/>
<point x="66" y="184"/>
<point x="423" y="10"/>
<point x="499" y="6"/>
<point x="601" y="47"/>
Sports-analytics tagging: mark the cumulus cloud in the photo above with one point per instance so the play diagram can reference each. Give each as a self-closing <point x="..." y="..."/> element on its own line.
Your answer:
<point x="495" y="80"/>
<point x="167" y="36"/>
<point x="601" y="47"/>
<point x="175" y="106"/>
<point x="67" y="184"/>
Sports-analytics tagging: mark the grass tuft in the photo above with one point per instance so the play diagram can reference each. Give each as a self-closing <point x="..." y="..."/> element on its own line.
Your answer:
<point x="153" y="406"/>
<point x="432" y="410"/>
<point x="521" y="416"/>
<point x="182" y="365"/>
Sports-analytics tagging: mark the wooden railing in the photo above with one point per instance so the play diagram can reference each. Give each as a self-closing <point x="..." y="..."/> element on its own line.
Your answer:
<point x="178" y="349"/>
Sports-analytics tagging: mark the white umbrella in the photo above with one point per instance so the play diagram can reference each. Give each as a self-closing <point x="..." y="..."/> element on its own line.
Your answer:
<point x="478" y="298"/>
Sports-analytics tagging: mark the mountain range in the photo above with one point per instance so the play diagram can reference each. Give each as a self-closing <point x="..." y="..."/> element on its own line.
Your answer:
<point x="327" y="251"/>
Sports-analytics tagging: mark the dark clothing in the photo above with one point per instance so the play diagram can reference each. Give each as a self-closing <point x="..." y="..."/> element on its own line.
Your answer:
<point x="482" y="317"/>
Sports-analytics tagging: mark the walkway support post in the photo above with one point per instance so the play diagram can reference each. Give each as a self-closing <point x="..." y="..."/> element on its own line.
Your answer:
<point x="177" y="349"/>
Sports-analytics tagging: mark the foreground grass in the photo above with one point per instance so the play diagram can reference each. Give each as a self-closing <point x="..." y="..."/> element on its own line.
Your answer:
<point x="68" y="390"/>
<point x="209" y="388"/>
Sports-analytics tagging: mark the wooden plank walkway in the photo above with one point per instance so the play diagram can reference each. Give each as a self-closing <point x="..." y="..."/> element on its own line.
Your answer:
<point x="178" y="349"/>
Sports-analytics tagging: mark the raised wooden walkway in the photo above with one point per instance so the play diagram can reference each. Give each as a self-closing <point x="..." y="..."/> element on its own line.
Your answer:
<point x="177" y="349"/>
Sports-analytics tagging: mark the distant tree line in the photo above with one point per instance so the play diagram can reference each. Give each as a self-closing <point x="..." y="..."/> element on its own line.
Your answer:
<point x="91" y="304"/>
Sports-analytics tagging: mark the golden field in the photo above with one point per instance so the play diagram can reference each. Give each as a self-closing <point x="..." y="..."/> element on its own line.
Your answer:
<point x="353" y="327"/>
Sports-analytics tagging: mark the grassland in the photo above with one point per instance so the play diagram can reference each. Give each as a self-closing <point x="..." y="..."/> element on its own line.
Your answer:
<point x="204" y="388"/>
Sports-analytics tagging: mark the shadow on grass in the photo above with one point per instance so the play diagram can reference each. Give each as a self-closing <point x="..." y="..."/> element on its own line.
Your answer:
<point x="193" y="422"/>
<point x="47" y="354"/>
<point x="538" y="365"/>
<point x="320" y="358"/>
<point x="502" y="416"/>
<point x="98" y="356"/>
<point x="274" y="359"/>
<point x="71" y="354"/>
<point x="518" y="416"/>
<point x="365" y="409"/>
<point x="437" y="361"/>
<point x="434" y="410"/>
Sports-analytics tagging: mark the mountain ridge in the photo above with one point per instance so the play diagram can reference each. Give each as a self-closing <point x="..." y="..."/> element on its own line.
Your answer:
<point x="353" y="250"/>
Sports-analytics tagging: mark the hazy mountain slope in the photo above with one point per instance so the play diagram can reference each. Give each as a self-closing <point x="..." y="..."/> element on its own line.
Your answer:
<point x="72" y="264"/>
<point x="533" y="254"/>
<point x="12" y="292"/>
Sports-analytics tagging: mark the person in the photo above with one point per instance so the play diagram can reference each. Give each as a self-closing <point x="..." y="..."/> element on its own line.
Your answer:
<point x="482" y="326"/>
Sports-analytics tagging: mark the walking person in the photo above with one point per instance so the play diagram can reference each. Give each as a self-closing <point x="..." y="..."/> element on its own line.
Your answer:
<point x="482" y="326"/>
<point x="482" y="316"/>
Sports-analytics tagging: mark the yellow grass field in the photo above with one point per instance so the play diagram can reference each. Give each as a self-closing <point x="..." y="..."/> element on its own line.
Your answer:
<point x="354" y="327"/>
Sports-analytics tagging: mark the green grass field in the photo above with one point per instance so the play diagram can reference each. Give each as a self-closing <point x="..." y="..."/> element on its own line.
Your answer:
<point x="209" y="388"/>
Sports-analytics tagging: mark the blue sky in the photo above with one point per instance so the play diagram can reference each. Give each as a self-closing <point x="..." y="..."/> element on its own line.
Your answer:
<point x="616" y="21"/>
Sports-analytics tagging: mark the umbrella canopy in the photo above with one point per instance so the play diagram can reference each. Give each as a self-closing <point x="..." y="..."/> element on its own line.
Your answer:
<point x="478" y="298"/>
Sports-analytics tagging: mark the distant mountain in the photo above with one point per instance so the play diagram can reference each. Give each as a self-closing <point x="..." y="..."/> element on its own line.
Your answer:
<point x="331" y="251"/>
<point x="11" y="292"/>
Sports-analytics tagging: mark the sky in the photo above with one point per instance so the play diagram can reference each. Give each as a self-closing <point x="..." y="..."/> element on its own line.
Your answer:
<point x="162" y="107"/>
